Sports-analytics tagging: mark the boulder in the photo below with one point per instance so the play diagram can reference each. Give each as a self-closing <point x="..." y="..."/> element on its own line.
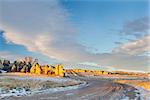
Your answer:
<point x="6" y="64"/>
<point x="13" y="68"/>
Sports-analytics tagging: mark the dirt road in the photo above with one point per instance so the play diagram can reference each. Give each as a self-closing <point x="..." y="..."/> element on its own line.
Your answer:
<point x="95" y="90"/>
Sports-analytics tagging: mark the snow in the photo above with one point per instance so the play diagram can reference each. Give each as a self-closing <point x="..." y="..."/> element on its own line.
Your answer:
<point x="2" y="71"/>
<point x="14" y="92"/>
<point x="64" y="88"/>
<point x="24" y="92"/>
<point x="144" y="94"/>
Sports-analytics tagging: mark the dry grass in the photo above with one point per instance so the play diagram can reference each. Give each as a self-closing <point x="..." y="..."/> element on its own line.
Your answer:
<point x="141" y="83"/>
<point x="8" y="83"/>
<point x="19" y="74"/>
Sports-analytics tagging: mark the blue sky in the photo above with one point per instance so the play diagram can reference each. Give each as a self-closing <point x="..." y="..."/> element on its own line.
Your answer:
<point x="99" y="22"/>
<point x="80" y="33"/>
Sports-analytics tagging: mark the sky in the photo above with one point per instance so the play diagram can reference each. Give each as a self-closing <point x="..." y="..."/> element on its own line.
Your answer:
<point x="92" y="34"/>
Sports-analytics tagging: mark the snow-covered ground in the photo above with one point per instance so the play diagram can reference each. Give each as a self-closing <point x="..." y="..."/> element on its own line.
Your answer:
<point x="23" y="92"/>
<point x="20" y="91"/>
<point x="144" y="94"/>
<point x="14" y="92"/>
<point x="2" y="71"/>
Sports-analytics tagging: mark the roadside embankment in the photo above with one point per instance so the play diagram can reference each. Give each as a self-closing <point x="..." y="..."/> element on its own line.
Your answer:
<point x="142" y="85"/>
<point x="145" y="84"/>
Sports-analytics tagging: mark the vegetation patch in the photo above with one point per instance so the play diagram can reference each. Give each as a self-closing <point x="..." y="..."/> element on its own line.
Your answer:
<point x="140" y="83"/>
<point x="23" y="86"/>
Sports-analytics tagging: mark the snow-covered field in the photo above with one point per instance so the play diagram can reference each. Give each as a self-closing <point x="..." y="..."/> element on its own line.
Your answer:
<point x="53" y="85"/>
<point x="23" y="92"/>
<point x="144" y="94"/>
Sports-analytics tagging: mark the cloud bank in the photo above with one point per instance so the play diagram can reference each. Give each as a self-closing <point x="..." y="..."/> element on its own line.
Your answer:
<point x="45" y="27"/>
<point x="136" y="47"/>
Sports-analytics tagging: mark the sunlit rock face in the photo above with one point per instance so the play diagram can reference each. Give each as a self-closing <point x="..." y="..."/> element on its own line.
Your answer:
<point x="26" y="60"/>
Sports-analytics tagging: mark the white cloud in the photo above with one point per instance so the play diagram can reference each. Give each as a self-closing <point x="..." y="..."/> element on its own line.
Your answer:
<point x="39" y="26"/>
<point x="42" y="27"/>
<point x="136" y="47"/>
